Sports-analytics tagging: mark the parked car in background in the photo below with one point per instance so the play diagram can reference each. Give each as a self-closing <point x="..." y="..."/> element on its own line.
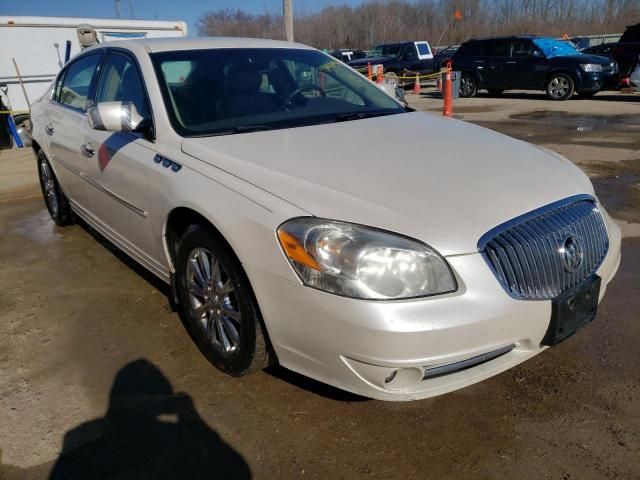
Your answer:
<point x="441" y="56"/>
<point x="274" y="210"/>
<point x="346" y="55"/>
<point x="627" y="51"/>
<point x="397" y="60"/>
<point x="531" y="63"/>
<point x="603" y="50"/>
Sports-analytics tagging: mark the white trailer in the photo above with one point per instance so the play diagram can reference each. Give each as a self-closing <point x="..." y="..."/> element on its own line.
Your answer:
<point x="38" y="45"/>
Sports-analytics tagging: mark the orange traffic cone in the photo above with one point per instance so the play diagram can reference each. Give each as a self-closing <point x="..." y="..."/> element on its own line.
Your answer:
<point x="380" y="75"/>
<point x="416" y="85"/>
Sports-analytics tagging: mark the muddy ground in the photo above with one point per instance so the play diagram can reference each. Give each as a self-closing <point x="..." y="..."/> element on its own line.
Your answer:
<point x="94" y="363"/>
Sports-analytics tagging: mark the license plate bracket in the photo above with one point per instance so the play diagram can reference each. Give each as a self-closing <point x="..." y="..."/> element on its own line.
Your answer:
<point x="573" y="310"/>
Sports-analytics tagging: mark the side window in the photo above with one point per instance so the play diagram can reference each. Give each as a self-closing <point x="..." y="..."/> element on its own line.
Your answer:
<point x="55" y="95"/>
<point x="521" y="49"/>
<point x="498" y="48"/>
<point x="470" y="49"/>
<point x="120" y="82"/>
<point x="410" y="52"/>
<point x="76" y="82"/>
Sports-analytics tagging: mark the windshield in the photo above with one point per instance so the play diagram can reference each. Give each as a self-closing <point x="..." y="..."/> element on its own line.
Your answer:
<point x="225" y="91"/>
<point x="555" y="48"/>
<point x="392" y="50"/>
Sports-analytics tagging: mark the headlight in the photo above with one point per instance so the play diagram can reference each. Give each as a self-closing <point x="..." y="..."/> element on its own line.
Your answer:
<point x="591" y="67"/>
<point x="362" y="262"/>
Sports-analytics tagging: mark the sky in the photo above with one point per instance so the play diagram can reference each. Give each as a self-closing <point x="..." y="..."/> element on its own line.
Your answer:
<point x="187" y="10"/>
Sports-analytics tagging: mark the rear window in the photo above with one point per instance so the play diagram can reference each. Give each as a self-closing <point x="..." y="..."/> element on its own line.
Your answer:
<point x="497" y="48"/>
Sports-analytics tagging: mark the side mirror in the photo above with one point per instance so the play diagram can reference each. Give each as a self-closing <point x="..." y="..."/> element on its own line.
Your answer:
<point x="116" y="117"/>
<point x="537" y="54"/>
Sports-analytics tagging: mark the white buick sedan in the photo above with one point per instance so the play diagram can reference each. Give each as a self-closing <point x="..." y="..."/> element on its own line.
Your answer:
<point x="303" y="216"/>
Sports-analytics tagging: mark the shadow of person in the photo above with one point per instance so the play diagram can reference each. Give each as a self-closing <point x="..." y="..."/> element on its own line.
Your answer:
<point x="148" y="432"/>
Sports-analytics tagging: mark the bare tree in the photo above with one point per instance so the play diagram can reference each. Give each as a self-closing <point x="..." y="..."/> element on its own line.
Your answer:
<point x="376" y="21"/>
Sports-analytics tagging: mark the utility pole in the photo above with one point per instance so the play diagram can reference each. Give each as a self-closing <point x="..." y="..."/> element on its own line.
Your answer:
<point x="288" y="19"/>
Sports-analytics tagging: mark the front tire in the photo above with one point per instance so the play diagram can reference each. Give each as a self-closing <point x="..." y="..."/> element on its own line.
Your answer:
<point x="560" y="86"/>
<point x="468" y="86"/>
<point x="54" y="198"/>
<point x="217" y="304"/>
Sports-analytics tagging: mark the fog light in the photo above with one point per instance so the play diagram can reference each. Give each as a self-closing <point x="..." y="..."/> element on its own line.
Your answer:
<point x="403" y="378"/>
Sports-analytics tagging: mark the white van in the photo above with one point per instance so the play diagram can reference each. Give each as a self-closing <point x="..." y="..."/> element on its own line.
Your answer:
<point x="41" y="45"/>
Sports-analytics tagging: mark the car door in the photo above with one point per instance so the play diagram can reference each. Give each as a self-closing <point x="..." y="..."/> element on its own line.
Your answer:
<point x="66" y="114"/>
<point x="496" y="55"/>
<point x="526" y="66"/>
<point x="117" y="163"/>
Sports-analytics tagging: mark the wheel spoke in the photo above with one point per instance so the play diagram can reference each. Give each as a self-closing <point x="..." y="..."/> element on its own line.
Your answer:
<point x="231" y="330"/>
<point x="226" y="289"/>
<point x="196" y="290"/>
<point x="200" y="310"/>
<point x="216" y="278"/>
<point x="195" y="267"/>
<point x="205" y="265"/>
<point x="229" y="312"/>
<point x="222" y="335"/>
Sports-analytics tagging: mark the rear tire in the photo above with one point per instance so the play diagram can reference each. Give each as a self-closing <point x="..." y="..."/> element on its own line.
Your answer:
<point x="54" y="198"/>
<point x="560" y="86"/>
<point x="468" y="86"/>
<point x="217" y="304"/>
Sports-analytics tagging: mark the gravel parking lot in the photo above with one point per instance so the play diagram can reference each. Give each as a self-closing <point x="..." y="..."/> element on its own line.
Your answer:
<point x="95" y="365"/>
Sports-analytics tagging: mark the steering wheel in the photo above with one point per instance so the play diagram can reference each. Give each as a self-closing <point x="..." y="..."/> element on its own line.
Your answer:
<point x="288" y="101"/>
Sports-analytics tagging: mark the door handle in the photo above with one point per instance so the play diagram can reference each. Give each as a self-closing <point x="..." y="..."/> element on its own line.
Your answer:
<point x="478" y="61"/>
<point x="49" y="130"/>
<point x="511" y="62"/>
<point x="87" y="150"/>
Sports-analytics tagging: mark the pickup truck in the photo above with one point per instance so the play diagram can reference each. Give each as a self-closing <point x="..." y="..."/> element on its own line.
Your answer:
<point x="398" y="60"/>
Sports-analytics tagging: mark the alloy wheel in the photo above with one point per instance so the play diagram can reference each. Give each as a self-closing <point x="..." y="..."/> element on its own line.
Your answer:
<point x="559" y="87"/>
<point x="213" y="300"/>
<point x="49" y="187"/>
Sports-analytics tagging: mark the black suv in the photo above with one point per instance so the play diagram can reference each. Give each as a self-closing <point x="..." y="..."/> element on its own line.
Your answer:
<point x="531" y="63"/>
<point x="627" y="51"/>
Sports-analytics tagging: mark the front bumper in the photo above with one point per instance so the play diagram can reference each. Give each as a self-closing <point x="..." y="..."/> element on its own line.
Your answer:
<point x="596" y="81"/>
<point x="382" y="349"/>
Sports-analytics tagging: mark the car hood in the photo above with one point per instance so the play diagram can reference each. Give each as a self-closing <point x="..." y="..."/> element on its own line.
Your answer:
<point x="440" y="180"/>
<point x="584" y="58"/>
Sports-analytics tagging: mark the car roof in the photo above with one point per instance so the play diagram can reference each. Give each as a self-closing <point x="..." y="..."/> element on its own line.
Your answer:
<point x="504" y="37"/>
<point x="201" y="43"/>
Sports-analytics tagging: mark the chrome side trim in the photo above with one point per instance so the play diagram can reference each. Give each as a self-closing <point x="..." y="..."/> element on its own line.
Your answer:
<point x="106" y="191"/>
<point x="128" y="248"/>
<point x="440" y="370"/>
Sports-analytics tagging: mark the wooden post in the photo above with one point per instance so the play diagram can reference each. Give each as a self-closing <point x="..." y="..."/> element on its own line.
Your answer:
<point x="288" y="19"/>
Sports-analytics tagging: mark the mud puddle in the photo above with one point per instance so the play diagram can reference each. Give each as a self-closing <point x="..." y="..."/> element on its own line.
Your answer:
<point x="617" y="185"/>
<point x="562" y="128"/>
<point x="580" y="122"/>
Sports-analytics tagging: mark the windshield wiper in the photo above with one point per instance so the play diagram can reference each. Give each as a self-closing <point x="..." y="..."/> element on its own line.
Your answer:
<point x="241" y="129"/>
<point x="345" y="117"/>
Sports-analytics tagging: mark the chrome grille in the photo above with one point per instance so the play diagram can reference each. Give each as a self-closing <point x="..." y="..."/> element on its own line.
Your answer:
<point x="534" y="256"/>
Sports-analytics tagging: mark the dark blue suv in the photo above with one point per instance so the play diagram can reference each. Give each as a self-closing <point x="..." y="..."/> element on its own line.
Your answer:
<point x="531" y="63"/>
